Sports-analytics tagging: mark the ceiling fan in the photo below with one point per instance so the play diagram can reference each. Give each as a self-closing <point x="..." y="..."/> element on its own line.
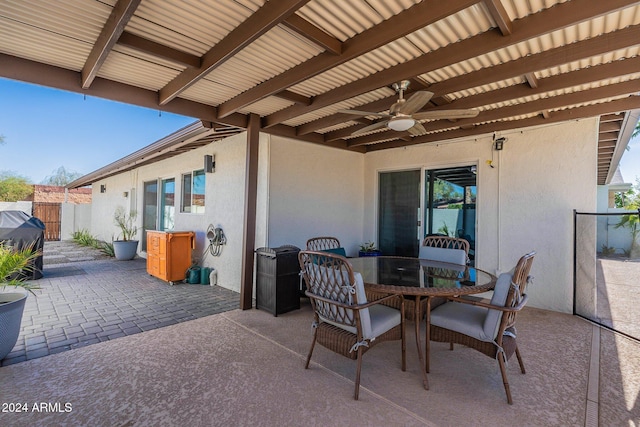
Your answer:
<point x="403" y="114"/>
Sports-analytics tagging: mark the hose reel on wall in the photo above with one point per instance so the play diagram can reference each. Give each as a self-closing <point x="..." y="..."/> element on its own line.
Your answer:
<point x="206" y="275"/>
<point x="216" y="239"/>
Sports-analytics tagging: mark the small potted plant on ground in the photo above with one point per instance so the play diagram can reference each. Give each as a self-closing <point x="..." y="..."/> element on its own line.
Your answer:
<point x="368" y="249"/>
<point x="14" y="266"/>
<point x="125" y="247"/>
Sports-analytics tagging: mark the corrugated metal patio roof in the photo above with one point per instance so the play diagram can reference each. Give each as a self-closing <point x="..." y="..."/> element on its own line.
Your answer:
<point x="297" y="63"/>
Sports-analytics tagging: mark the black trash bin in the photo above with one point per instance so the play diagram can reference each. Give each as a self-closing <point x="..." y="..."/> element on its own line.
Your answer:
<point x="278" y="279"/>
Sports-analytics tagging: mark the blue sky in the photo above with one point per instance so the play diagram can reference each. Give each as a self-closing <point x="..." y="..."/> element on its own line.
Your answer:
<point x="630" y="163"/>
<point x="46" y="128"/>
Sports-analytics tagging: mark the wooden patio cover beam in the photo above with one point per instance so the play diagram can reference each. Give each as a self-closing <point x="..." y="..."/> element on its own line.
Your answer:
<point x="313" y="34"/>
<point x="397" y="26"/>
<point x="561" y="81"/>
<point x="629" y="103"/>
<point x="525" y="108"/>
<point x="500" y="15"/>
<point x="538" y="24"/>
<point x="261" y="21"/>
<point x="156" y="49"/>
<point x="113" y="28"/>
<point x="575" y="78"/>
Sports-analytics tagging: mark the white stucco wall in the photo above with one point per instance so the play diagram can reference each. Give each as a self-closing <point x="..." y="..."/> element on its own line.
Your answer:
<point x="75" y="217"/>
<point x="103" y="205"/>
<point x="524" y="203"/>
<point x="314" y="191"/>
<point x="224" y="202"/>
<point x="26" y="207"/>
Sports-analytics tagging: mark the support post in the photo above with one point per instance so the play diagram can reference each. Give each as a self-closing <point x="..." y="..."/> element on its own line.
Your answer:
<point x="250" y="195"/>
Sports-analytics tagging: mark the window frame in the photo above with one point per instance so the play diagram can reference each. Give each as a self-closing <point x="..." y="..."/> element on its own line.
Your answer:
<point x="189" y="206"/>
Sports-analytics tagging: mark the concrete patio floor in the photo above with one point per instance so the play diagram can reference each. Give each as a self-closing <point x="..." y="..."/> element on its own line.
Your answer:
<point x="247" y="368"/>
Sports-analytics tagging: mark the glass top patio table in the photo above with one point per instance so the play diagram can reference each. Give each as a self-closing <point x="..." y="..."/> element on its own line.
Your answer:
<point x="419" y="278"/>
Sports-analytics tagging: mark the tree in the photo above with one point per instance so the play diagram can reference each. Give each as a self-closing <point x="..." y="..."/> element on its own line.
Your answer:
<point x="445" y="191"/>
<point x="61" y="177"/>
<point x="632" y="220"/>
<point x="14" y="187"/>
<point x="636" y="131"/>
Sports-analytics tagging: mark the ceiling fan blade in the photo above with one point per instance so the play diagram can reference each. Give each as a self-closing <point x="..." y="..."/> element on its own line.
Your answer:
<point x="417" y="129"/>
<point x="374" y="126"/>
<point x="415" y="102"/>
<point x="363" y="113"/>
<point x="445" y="114"/>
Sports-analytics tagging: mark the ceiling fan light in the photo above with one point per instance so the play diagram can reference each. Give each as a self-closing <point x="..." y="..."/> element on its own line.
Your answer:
<point x="402" y="123"/>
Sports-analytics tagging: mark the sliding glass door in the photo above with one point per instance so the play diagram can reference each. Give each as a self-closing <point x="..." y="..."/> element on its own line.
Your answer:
<point x="449" y="200"/>
<point x="398" y="216"/>
<point x="450" y="203"/>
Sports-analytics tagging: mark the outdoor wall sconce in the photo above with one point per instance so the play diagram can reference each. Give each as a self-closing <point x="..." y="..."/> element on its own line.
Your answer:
<point x="125" y="194"/>
<point x="499" y="143"/>
<point x="209" y="163"/>
<point x="103" y="188"/>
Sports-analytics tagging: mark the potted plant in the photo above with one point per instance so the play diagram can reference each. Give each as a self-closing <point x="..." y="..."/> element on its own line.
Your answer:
<point x="368" y="249"/>
<point x="125" y="247"/>
<point x="13" y="266"/>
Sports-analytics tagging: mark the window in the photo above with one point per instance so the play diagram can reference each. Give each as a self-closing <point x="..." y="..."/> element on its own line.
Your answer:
<point x="193" y="192"/>
<point x="167" y="204"/>
<point x="450" y="203"/>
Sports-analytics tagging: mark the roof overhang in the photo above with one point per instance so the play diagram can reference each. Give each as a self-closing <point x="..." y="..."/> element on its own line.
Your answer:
<point x="296" y="64"/>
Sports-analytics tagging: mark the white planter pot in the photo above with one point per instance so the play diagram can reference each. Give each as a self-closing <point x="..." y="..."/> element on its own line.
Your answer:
<point x="11" y="309"/>
<point x="125" y="250"/>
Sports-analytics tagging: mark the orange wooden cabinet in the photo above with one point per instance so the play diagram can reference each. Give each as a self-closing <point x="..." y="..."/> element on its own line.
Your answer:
<point x="169" y="254"/>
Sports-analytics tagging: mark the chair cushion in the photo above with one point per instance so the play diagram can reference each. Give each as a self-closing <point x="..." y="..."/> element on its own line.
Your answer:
<point x="375" y="320"/>
<point x="477" y="322"/>
<point x="464" y="318"/>
<point x="338" y="251"/>
<point x="499" y="298"/>
<point x="453" y="256"/>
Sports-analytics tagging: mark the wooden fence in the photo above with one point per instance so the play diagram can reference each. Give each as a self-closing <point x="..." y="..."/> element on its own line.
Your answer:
<point x="50" y="214"/>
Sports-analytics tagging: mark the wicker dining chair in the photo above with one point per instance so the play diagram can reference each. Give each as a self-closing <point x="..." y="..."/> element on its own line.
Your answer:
<point x="488" y="328"/>
<point x="344" y="321"/>
<point x="322" y="243"/>
<point x="433" y="246"/>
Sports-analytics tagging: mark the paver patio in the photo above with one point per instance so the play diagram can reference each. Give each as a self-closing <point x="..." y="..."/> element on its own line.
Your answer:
<point x="90" y="298"/>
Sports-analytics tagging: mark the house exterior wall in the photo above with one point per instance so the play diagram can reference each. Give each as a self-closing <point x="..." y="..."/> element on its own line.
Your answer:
<point x="224" y="202"/>
<point x="525" y="202"/>
<point x="314" y="191"/>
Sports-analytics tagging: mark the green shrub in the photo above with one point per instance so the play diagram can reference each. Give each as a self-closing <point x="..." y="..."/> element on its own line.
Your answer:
<point x="107" y="249"/>
<point x="84" y="238"/>
<point x="608" y="250"/>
